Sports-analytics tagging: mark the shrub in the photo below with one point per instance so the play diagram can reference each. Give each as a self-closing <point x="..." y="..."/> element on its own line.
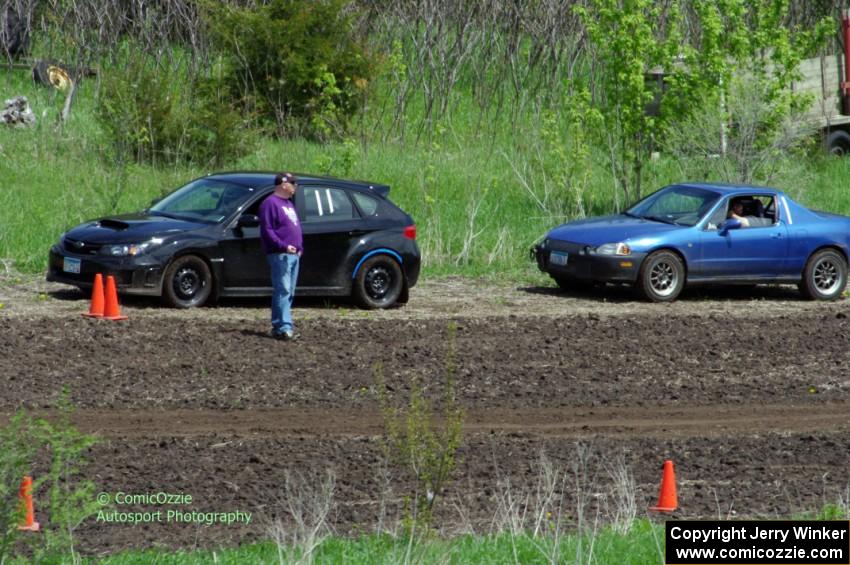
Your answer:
<point x="295" y="63"/>
<point x="66" y="499"/>
<point x="423" y="445"/>
<point x="153" y="113"/>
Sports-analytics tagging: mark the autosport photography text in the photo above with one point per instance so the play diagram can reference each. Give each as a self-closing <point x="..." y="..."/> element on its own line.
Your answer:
<point x="161" y="507"/>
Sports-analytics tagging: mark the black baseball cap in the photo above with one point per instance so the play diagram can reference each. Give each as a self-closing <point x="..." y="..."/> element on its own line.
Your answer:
<point x="281" y="178"/>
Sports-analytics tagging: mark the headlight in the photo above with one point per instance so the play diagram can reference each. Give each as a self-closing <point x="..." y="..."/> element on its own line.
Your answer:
<point x="129" y="249"/>
<point x="614" y="249"/>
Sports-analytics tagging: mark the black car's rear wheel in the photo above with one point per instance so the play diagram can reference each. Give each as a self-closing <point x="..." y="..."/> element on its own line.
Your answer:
<point x="825" y="275"/>
<point x="378" y="283"/>
<point x="662" y="277"/>
<point x="188" y="282"/>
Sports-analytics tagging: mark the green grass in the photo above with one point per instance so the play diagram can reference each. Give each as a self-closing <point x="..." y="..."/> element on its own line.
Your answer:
<point x="643" y="544"/>
<point x="462" y="188"/>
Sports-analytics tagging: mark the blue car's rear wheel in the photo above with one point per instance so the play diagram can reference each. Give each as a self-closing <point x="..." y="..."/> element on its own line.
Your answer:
<point x="188" y="282"/>
<point x="825" y="275"/>
<point x="378" y="283"/>
<point x="662" y="276"/>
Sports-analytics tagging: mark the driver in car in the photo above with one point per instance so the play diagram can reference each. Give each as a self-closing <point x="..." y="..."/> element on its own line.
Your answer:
<point x="736" y="209"/>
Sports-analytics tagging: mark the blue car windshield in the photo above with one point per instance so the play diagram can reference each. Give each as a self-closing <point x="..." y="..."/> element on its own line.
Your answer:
<point x="205" y="200"/>
<point x="679" y="205"/>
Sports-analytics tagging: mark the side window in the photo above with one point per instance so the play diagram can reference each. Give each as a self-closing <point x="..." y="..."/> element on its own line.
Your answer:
<point x="367" y="204"/>
<point x="718" y="216"/>
<point x="254" y="208"/>
<point x="759" y="210"/>
<point x="322" y="204"/>
<point x="767" y="209"/>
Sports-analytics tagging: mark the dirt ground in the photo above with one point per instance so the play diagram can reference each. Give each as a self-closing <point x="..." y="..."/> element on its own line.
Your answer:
<point x="745" y="390"/>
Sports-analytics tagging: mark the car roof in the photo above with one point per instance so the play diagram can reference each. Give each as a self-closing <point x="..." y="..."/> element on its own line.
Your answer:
<point x="260" y="179"/>
<point x="726" y="189"/>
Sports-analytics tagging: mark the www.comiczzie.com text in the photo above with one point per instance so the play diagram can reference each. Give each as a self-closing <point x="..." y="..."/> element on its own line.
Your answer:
<point x="168" y="516"/>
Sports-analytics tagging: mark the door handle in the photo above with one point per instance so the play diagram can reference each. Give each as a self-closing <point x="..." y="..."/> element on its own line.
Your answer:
<point x="356" y="232"/>
<point x="776" y="235"/>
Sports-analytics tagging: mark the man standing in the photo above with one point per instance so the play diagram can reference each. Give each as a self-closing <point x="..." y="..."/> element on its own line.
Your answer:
<point x="280" y="236"/>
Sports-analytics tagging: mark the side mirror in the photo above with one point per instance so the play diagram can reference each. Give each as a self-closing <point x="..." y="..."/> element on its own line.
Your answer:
<point x="148" y="209"/>
<point x="248" y="221"/>
<point x="733" y="224"/>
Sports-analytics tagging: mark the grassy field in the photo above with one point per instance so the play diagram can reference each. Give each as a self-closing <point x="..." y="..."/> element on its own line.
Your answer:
<point x="642" y="545"/>
<point x="480" y="201"/>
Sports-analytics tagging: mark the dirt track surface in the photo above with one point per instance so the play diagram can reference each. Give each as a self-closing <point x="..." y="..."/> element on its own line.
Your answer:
<point x="747" y="391"/>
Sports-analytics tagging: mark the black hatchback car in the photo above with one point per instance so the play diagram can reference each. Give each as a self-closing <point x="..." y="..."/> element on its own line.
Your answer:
<point x="202" y="242"/>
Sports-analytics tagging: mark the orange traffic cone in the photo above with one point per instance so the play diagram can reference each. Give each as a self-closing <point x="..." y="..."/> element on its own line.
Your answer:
<point x="96" y="308"/>
<point x="667" y="501"/>
<point x="29" y="523"/>
<point x="112" y="311"/>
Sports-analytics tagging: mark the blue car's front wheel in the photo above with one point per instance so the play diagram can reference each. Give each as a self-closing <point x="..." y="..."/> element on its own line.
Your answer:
<point x="825" y="275"/>
<point x="661" y="277"/>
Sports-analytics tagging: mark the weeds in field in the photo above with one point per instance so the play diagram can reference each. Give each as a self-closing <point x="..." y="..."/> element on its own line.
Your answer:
<point x="308" y="504"/>
<point x="70" y="498"/>
<point x="422" y="447"/>
<point x="17" y="452"/>
<point x="538" y="512"/>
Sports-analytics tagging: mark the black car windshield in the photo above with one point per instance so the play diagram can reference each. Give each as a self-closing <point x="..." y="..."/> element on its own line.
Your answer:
<point x="680" y="205"/>
<point x="205" y="200"/>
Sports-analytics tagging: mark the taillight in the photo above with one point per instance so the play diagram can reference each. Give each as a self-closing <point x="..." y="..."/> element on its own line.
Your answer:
<point x="410" y="232"/>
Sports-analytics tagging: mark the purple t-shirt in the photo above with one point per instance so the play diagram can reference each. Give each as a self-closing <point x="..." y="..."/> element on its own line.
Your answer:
<point x="279" y="226"/>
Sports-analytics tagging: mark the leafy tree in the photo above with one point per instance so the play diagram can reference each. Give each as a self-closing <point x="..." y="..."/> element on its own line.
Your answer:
<point x="731" y="41"/>
<point x="750" y="40"/>
<point x="296" y="63"/>
<point x="627" y="44"/>
<point x="156" y="113"/>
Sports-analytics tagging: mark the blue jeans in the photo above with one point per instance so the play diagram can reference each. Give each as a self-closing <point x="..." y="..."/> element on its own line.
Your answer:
<point x="284" y="275"/>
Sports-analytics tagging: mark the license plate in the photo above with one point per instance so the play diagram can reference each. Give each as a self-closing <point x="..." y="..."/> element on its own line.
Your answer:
<point x="71" y="265"/>
<point x="558" y="258"/>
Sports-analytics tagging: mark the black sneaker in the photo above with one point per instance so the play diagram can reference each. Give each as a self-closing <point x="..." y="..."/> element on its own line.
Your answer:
<point x="286" y="336"/>
<point x="290" y="336"/>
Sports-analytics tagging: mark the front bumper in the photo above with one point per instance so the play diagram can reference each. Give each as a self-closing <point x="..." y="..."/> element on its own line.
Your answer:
<point x="133" y="275"/>
<point x="583" y="264"/>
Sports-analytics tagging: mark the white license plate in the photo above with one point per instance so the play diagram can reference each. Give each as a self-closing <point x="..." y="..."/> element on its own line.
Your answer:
<point x="558" y="258"/>
<point x="71" y="265"/>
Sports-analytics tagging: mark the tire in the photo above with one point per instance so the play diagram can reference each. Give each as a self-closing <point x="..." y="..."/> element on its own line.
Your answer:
<point x="378" y="283"/>
<point x="825" y="275"/>
<point x="661" y="277"/>
<point x="838" y="143"/>
<point x="188" y="282"/>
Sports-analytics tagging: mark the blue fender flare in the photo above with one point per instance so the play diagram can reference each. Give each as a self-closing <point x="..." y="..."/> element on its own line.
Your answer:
<point x="380" y="251"/>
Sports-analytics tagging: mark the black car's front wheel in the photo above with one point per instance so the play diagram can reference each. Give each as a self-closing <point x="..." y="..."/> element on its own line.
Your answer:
<point x="188" y="282"/>
<point x="662" y="277"/>
<point x="825" y="275"/>
<point x="378" y="283"/>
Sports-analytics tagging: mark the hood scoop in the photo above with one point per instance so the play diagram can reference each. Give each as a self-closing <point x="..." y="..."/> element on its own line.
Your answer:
<point x="117" y="225"/>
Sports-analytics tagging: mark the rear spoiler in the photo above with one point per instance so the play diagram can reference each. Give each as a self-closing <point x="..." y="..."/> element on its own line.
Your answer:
<point x="381" y="189"/>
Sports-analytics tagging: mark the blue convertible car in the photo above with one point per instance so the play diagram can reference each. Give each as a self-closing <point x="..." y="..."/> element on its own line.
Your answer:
<point x="703" y="234"/>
